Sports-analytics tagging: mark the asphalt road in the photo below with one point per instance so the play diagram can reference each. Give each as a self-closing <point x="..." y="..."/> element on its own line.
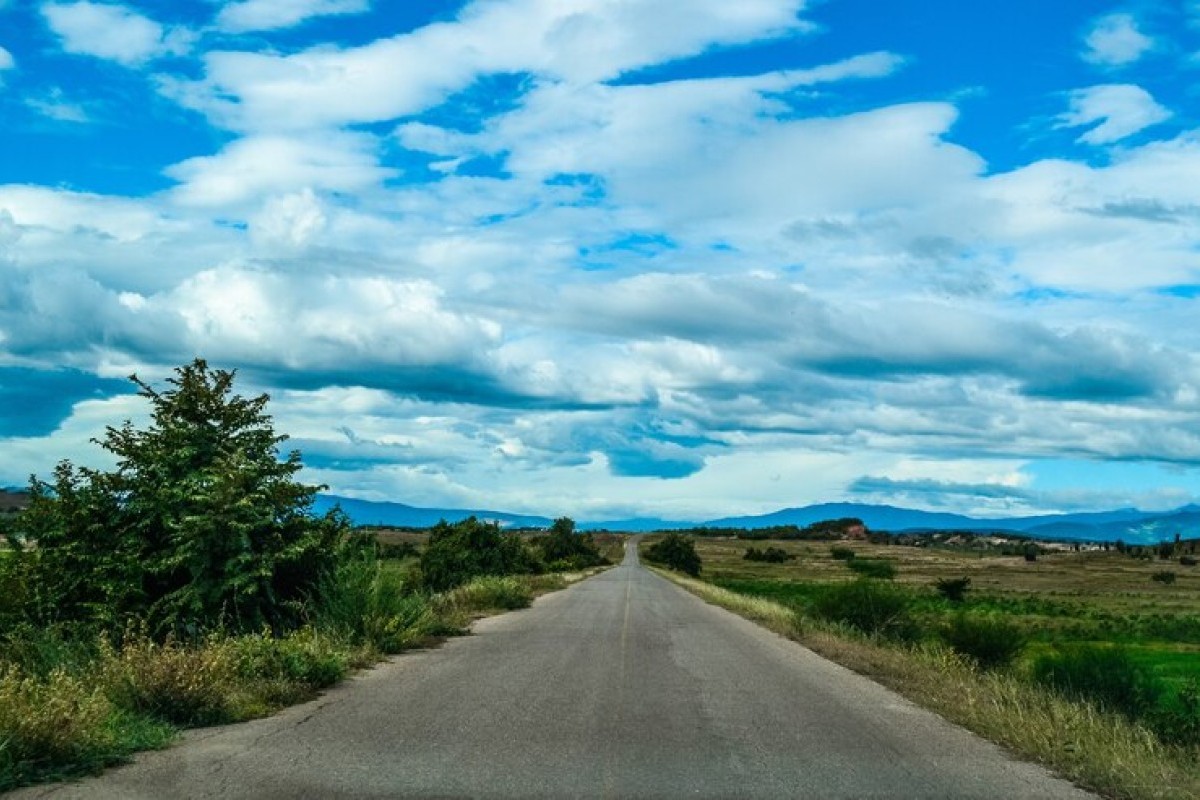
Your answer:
<point x="622" y="686"/>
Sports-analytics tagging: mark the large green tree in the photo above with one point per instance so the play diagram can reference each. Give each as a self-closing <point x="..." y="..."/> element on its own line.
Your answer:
<point x="202" y="523"/>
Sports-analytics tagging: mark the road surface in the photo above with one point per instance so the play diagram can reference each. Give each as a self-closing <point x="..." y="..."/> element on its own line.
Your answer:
<point x="622" y="686"/>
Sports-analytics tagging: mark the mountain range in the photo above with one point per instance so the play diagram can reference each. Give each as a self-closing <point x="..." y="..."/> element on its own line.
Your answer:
<point x="1128" y="524"/>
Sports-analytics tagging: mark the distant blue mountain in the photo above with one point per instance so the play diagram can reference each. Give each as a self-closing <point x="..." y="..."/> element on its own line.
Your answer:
<point x="366" y="512"/>
<point x="1129" y="524"/>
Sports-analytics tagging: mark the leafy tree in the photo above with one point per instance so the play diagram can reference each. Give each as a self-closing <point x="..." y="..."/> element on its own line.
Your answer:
<point x="459" y="551"/>
<point x="201" y="523"/>
<point x="676" y="551"/>
<point x="563" y="547"/>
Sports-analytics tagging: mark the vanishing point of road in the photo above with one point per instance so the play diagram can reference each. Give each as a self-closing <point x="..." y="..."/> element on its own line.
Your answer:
<point x="622" y="686"/>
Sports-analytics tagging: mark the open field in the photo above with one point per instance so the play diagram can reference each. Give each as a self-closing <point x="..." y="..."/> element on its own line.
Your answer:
<point x="1062" y="597"/>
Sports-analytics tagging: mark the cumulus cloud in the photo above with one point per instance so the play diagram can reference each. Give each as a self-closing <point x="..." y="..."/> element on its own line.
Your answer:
<point x="252" y="167"/>
<point x="266" y="15"/>
<point x="390" y="78"/>
<point x="1113" y="112"/>
<point x="113" y="32"/>
<point x="1115" y="41"/>
<point x="7" y="61"/>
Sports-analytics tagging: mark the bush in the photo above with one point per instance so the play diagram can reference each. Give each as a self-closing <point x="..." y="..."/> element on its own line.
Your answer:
<point x="677" y="552"/>
<point x="1177" y="718"/>
<point x="874" y="608"/>
<point x="275" y="672"/>
<point x="1165" y="577"/>
<point x="1187" y="561"/>
<point x="953" y="589"/>
<point x="200" y="526"/>
<point x="563" y="549"/>
<point x="991" y="643"/>
<point x="492" y="593"/>
<point x="1105" y="675"/>
<point x="769" y="555"/>
<point x="170" y="681"/>
<point x="841" y="553"/>
<point x="48" y="722"/>
<point x="367" y="604"/>
<point x="458" y="552"/>
<point x="873" y="567"/>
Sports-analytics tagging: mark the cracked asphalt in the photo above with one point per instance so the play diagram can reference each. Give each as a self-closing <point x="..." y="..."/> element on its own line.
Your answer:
<point x="621" y="686"/>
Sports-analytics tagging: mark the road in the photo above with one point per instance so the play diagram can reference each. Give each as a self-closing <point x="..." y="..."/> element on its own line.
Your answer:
<point x="622" y="686"/>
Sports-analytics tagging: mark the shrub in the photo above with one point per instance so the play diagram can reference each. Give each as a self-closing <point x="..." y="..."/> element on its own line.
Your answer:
<point x="201" y="525"/>
<point x="1165" y="577"/>
<point x="275" y="672"/>
<point x="677" y="552"/>
<point x="48" y="722"/>
<point x="871" y="607"/>
<point x="1177" y="718"/>
<point x="170" y="681"/>
<point x="463" y="550"/>
<point x="367" y="604"/>
<point x="873" y="567"/>
<point x="397" y="550"/>
<point x="1030" y="552"/>
<point x="841" y="553"/>
<point x="1187" y="561"/>
<point x="769" y="555"/>
<point x="490" y="593"/>
<point x="953" y="589"/>
<point x="991" y="643"/>
<point x="563" y="549"/>
<point x="1105" y="675"/>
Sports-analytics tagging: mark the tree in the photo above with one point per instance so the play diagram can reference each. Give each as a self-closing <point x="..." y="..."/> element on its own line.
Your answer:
<point x="201" y="524"/>
<point x="459" y="551"/>
<point x="563" y="547"/>
<point x="676" y="551"/>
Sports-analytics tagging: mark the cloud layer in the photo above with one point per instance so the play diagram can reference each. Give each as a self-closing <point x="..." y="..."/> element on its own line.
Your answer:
<point x="543" y="255"/>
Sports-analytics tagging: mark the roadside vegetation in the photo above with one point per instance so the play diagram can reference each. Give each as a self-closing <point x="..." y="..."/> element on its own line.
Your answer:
<point x="192" y="585"/>
<point x="1081" y="660"/>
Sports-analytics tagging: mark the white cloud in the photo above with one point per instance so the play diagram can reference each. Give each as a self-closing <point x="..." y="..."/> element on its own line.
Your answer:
<point x="1120" y="109"/>
<point x="581" y="42"/>
<point x="266" y="165"/>
<point x="265" y="15"/>
<point x="54" y="106"/>
<point x="113" y="32"/>
<point x="1115" y="41"/>
<point x="6" y="60"/>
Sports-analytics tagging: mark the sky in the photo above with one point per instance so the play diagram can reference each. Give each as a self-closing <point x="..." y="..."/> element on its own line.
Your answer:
<point x="612" y="258"/>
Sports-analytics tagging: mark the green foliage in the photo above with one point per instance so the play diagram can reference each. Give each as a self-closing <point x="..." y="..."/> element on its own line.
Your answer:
<point x="463" y="550"/>
<point x="874" y="608"/>
<point x="169" y="681"/>
<point x="1165" y="577"/>
<point x="677" y="552"/>
<point x="1106" y="675"/>
<point x="1177" y="718"/>
<point x="953" y="589"/>
<point x="769" y="555"/>
<point x="990" y="642"/>
<point x="200" y="525"/>
<point x="564" y="549"/>
<point x="368" y="605"/>
<point x="841" y="553"/>
<point x="873" y="567"/>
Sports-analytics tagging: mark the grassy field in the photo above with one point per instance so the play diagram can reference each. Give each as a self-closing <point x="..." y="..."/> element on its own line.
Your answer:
<point x="1107" y="602"/>
<point x="1062" y="597"/>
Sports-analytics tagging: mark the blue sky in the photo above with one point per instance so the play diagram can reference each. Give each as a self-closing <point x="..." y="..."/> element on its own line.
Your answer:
<point x="686" y="259"/>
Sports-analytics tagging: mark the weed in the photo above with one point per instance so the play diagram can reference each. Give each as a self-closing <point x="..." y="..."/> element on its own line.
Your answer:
<point x="1105" y="675"/>
<point x="841" y="553"/>
<point x="1165" y="577"/>
<point x="873" y="608"/>
<point x="988" y="641"/>
<point x="171" y="681"/>
<point x="953" y="589"/>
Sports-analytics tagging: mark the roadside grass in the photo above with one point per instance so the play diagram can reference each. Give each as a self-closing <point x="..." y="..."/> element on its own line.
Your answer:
<point x="70" y="707"/>
<point x="1094" y="747"/>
